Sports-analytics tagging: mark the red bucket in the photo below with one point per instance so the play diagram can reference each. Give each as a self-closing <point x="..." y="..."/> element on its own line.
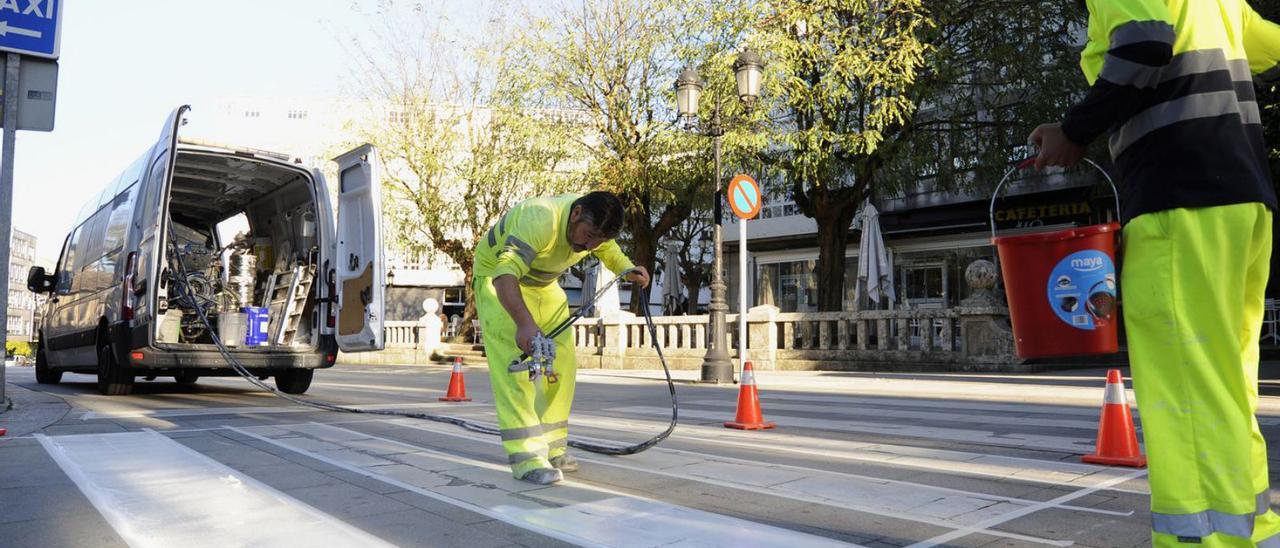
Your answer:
<point x="1061" y="287"/>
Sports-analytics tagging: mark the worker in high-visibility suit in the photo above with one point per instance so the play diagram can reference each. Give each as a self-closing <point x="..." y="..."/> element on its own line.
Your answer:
<point x="1171" y="81"/>
<point x="517" y="265"/>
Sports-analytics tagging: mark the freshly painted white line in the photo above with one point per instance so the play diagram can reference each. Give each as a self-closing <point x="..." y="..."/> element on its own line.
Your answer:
<point x="982" y="528"/>
<point x="589" y="520"/>
<point x="208" y="411"/>
<point x="983" y="437"/>
<point x="1049" y="472"/>
<point x="947" y="461"/>
<point x="827" y="491"/>
<point x="157" y="492"/>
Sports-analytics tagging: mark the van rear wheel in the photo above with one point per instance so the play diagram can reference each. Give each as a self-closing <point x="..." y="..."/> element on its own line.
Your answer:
<point x="186" y="379"/>
<point x="294" y="381"/>
<point x="44" y="373"/>
<point x="113" y="380"/>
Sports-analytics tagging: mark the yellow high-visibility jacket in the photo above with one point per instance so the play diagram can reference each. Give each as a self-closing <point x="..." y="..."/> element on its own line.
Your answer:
<point x="1171" y="82"/>
<point x="531" y="243"/>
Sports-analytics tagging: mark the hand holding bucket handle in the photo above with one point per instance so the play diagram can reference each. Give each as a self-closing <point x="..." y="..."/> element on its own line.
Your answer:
<point x="1027" y="164"/>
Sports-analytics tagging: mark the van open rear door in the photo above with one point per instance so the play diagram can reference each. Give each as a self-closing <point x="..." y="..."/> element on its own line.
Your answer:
<point x="360" y="273"/>
<point x="153" y="220"/>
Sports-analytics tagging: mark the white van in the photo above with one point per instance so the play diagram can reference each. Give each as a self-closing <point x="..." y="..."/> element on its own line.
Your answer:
<point x="146" y="254"/>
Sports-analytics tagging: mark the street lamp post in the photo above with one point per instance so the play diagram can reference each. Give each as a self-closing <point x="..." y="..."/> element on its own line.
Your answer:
<point x="716" y="365"/>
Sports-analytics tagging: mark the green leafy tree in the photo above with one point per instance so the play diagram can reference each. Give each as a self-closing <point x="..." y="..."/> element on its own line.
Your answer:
<point x="615" y="62"/>
<point x="876" y="97"/>
<point x="465" y="137"/>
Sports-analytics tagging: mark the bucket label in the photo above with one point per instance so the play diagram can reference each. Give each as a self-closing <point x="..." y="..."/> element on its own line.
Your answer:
<point x="1082" y="289"/>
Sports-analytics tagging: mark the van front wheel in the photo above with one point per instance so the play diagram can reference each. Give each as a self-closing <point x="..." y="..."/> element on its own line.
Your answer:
<point x="45" y="374"/>
<point x="113" y="380"/>
<point x="294" y="381"/>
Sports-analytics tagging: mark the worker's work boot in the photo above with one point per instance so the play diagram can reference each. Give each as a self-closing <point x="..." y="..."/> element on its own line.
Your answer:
<point x="542" y="476"/>
<point x="565" y="463"/>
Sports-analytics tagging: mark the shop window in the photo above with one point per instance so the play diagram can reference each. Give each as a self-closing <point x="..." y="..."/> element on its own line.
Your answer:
<point x="924" y="286"/>
<point x="792" y="286"/>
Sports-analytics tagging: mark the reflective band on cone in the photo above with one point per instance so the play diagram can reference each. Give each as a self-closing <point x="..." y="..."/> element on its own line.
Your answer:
<point x="749" y="416"/>
<point x="457" y="387"/>
<point x="1117" y="439"/>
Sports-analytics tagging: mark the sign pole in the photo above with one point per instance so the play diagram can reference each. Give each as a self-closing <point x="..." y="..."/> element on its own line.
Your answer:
<point x="6" y="196"/>
<point x="745" y="200"/>
<point x="742" y="296"/>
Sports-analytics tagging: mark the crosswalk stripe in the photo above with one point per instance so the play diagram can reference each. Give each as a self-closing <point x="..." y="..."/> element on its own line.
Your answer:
<point x="572" y="512"/>
<point x="157" y="492"/>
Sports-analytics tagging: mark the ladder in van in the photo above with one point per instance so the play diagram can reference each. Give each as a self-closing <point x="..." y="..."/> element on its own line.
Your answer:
<point x="289" y="292"/>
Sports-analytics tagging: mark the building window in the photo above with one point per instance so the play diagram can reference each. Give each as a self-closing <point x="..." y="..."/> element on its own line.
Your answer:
<point x="297" y="115"/>
<point x="252" y="114"/>
<point x="924" y="286"/>
<point x="792" y="286"/>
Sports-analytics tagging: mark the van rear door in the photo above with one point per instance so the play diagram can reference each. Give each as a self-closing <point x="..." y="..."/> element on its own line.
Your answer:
<point x="153" y="212"/>
<point x="359" y="270"/>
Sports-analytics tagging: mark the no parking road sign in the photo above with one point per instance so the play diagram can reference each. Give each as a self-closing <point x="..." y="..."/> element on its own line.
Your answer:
<point x="744" y="196"/>
<point x="31" y="27"/>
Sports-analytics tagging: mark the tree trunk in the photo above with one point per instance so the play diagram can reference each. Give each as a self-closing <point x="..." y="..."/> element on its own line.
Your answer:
<point x="644" y="253"/>
<point x="833" y="241"/>
<point x="469" y="313"/>
<point x="693" y="287"/>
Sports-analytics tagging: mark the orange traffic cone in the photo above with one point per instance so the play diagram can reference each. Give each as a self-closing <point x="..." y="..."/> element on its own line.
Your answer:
<point x="1117" y="440"/>
<point x="457" y="387"/>
<point x="749" y="416"/>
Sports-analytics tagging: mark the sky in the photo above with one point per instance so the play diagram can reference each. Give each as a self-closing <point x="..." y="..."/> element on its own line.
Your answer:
<point x="125" y="65"/>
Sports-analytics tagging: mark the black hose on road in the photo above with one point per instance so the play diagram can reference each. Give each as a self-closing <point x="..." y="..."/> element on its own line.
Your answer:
<point x="181" y="281"/>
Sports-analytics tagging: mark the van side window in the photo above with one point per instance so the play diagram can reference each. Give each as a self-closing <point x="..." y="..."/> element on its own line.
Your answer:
<point x="96" y="265"/>
<point x="68" y="270"/>
<point x="121" y="215"/>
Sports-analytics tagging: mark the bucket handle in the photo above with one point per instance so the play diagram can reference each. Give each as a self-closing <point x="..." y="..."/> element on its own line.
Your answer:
<point x="991" y="211"/>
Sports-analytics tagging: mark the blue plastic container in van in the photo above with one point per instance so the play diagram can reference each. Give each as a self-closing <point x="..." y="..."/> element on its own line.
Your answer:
<point x="259" y="320"/>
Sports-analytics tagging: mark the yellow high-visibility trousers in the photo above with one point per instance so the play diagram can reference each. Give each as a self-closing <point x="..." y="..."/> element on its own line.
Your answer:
<point x="534" y="420"/>
<point x="1192" y="280"/>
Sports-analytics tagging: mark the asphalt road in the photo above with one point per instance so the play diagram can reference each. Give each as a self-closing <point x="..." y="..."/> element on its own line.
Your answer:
<point x="857" y="459"/>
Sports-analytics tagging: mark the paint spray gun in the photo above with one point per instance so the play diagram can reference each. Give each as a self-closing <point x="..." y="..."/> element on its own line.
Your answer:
<point x="539" y="361"/>
<point x="542" y="355"/>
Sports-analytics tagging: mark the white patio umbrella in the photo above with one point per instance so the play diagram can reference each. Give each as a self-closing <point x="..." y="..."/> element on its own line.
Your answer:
<point x="670" y="280"/>
<point x="588" y="290"/>
<point x="875" y="272"/>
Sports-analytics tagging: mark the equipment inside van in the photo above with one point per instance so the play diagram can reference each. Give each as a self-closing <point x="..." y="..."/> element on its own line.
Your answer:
<point x="253" y="237"/>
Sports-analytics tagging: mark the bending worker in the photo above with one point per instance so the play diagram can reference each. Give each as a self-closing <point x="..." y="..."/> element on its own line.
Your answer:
<point x="517" y="265"/>
<point x="1170" y="80"/>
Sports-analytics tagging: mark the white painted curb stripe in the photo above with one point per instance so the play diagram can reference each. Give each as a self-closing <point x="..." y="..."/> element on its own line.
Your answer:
<point x="781" y="493"/>
<point x="157" y="492"/>
<point x="587" y="524"/>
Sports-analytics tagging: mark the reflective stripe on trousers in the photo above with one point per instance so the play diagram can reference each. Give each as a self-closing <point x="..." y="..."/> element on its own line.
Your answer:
<point x="533" y="420"/>
<point x="1193" y="282"/>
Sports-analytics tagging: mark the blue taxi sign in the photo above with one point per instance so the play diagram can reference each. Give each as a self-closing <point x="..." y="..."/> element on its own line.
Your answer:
<point x="31" y="27"/>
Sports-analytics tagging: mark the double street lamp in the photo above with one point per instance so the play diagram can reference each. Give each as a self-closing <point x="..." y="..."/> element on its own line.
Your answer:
<point x="716" y="365"/>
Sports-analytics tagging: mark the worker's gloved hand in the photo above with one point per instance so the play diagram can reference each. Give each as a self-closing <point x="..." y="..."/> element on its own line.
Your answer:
<point x="639" y="275"/>
<point x="542" y="357"/>
<point x="525" y="335"/>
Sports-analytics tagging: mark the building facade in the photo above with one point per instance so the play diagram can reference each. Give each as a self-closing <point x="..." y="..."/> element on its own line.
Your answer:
<point x="931" y="236"/>
<point x="21" y="304"/>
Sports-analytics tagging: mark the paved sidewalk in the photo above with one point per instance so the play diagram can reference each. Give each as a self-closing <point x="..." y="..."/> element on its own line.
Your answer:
<point x="31" y="411"/>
